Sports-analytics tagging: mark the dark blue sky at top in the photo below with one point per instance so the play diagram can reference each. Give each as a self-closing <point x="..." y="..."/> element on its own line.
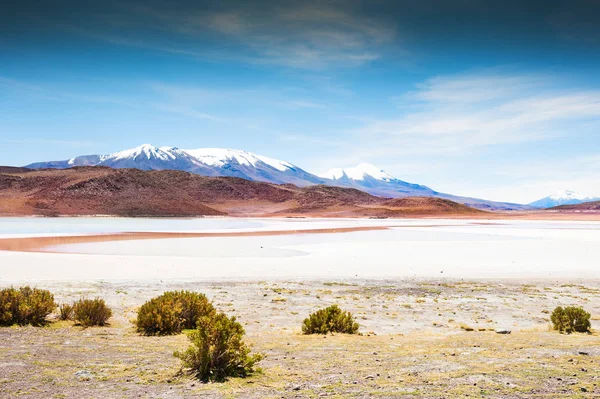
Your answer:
<point x="321" y="84"/>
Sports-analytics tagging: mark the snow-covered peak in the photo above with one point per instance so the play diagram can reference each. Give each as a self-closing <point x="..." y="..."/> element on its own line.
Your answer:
<point x="221" y="156"/>
<point x="567" y="195"/>
<point x="359" y="172"/>
<point x="144" y="151"/>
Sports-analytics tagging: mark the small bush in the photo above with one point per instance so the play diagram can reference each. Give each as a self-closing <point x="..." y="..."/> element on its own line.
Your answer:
<point x="330" y="320"/>
<point x="173" y="312"/>
<point x="218" y="350"/>
<point x="570" y="319"/>
<point x="65" y="311"/>
<point x="91" y="312"/>
<point x="9" y="304"/>
<point x="25" y="305"/>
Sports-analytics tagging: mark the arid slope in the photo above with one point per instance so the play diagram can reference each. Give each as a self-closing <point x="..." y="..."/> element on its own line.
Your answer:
<point x="132" y="192"/>
<point x="584" y="207"/>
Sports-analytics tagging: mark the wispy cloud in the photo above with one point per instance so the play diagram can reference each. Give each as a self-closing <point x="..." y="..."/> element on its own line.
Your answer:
<point x="299" y="104"/>
<point x="53" y="94"/>
<point x="459" y="113"/>
<point x="69" y="143"/>
<point x="309" y="35"/>
<point x="195" y="101"/>
<point x="187" y="111"/>
<point x="530" y="181"/>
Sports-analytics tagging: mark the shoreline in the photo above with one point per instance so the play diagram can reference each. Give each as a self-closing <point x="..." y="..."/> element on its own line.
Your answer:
<point x="39" y="244"/>
<point x="540" y="215"/>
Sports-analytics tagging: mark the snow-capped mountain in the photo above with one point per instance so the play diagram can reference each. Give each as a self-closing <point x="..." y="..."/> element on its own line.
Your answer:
<point x="374" y="180"/>
<point x="359" y="172"/>
<point x="144" y="157"/>
<point x="202" y="161"/>
<point x="246" y="165"/>
<point x="238" y="163"/>
<point x="567" y="197"/>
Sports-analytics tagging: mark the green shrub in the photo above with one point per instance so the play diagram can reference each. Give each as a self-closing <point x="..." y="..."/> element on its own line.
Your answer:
<point x="173" y="312"/>
<point x="65" y="311"/>
<point x="571" y="319"/>
<point x="9" y="304"/>
<point x="330" y="320"/>
<point x="91" y="312"/>
<point x="218" y="350"/>
<point x="25" y="305"/>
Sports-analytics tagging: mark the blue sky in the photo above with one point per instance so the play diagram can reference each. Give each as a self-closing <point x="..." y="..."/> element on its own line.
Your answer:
<point x="498" y="100"/>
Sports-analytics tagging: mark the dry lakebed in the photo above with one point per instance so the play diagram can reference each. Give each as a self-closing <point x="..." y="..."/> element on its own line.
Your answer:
<point x="431" y="297"/>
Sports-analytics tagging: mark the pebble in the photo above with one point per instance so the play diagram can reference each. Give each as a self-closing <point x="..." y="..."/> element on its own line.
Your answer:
<point x="84" y="375"/>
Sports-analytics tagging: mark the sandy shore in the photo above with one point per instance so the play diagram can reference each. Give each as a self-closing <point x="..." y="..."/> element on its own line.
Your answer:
<point x="41" y="244"/>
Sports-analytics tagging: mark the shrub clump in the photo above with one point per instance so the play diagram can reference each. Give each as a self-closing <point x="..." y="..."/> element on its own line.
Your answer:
<point x="330" y="320"/>
<point x="173" y="312"/>
<point x="91" y="312"/>
<point x="25" y="305"/>
<point x="571" y="319"/>
<point x="65" y="311"/>
<point x="218" y="350"/>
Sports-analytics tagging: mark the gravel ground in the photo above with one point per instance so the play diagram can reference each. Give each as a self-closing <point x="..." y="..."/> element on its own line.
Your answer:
<point x="414" y="342"/>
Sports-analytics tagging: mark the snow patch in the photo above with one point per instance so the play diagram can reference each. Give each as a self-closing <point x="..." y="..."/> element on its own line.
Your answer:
<point x="359" y="172"/>
<point x="146" y="151"/>
<point x="221" y="156"/>
<point x="568" y="195"/>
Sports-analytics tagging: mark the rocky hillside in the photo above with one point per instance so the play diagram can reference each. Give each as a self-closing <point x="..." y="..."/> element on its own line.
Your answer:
<point x="132" y="192"/>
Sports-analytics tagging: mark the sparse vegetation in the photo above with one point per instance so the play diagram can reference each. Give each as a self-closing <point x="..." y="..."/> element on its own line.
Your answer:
<point x="330" y="320"/>
<point x="571" y="319"/>
<point x="65" y="311"/>
<point x="91" y="312"/>
<point x="218" y="350"/>
<point x="172" y="312"/>
<point x="25" y="305"/>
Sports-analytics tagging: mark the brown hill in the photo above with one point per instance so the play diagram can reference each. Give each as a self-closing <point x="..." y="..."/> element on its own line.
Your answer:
<point x="584" y="207"/>
<point x="132" y="192"/>
<point x="427" y="205"/>
<point x="13" y="169"/>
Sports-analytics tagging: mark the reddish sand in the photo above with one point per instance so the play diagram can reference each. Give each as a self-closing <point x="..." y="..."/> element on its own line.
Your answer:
<point x="42" y="244"/>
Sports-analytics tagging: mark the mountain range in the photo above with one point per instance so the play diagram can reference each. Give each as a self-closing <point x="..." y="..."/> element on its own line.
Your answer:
<point x="100" y="190"/>
<point x="249" y="166"/>
<point x="567" y="197"/>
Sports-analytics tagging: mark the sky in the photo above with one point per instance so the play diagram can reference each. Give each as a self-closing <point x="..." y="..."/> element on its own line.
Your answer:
<point x="490" y="99"/>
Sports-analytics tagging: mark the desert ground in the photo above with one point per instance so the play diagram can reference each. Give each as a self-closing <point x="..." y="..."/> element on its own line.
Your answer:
<point x="429" y="296"/>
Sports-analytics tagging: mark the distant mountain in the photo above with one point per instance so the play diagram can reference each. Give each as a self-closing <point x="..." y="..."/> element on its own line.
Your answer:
<point x="249" y="166"/>
<point x="202" y="161"/>
<point x="593" y="206"/>
<point x="376" y="181"/>
<point x="567" y="197"/>
<point x="133" y="192"/>
<point x="369" y="178"/>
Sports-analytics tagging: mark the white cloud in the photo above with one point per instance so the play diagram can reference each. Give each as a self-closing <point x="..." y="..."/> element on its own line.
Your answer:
<point x="455" y="115"/>
<point x="308" y="35"/>
<point x="483" y="135"/>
